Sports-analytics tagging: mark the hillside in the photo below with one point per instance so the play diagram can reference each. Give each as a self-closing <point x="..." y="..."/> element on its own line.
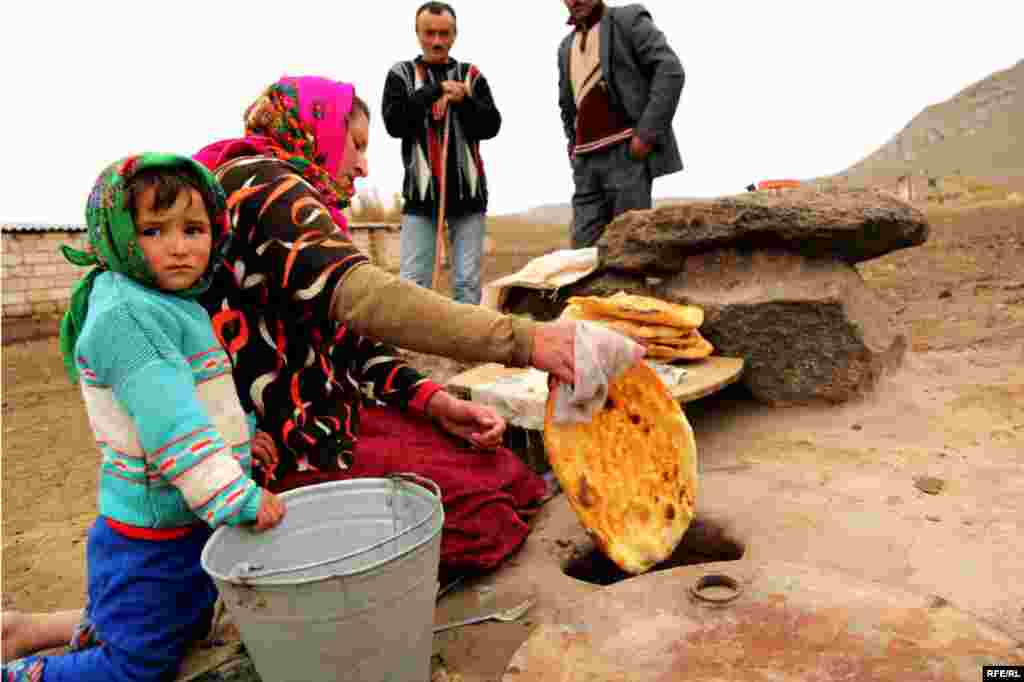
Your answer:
<point x="979" y="132"/>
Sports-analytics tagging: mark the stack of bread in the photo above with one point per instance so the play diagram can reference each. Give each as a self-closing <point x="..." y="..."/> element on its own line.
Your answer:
<point x="667" y="330"/>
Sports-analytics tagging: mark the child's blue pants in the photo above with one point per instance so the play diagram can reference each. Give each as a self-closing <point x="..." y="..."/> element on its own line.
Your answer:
<point x="148" y="600"/>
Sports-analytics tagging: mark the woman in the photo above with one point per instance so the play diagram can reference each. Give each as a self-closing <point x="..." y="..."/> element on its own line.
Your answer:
<point x="307" y="319"/>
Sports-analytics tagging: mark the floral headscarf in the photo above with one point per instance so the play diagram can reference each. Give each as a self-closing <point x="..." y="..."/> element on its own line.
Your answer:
<point x="114" y="245"/>
<point x="304" y="122"/>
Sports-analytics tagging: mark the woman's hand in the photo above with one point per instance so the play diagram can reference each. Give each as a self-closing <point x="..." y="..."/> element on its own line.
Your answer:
<point x="271" y="511"/>
<point x="478" y="424"/>
<point x="554" y="349"/>
<point x="264" y="452"/>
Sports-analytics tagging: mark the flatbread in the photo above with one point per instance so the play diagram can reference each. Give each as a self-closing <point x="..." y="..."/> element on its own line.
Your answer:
<point x="699" y="351"/>
<point x="631" y="473"/>
<point x="680" y="345"/>
<point x="690" y="340"/>
<point x="630" y="328"/>
<point x="642" y="309"/>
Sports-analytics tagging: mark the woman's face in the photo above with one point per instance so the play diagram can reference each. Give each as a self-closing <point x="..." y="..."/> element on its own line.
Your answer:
<point x="354" y="164"/>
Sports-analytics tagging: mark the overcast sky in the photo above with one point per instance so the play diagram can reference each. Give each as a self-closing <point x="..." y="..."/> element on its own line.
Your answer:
<point x="791" y="88"/>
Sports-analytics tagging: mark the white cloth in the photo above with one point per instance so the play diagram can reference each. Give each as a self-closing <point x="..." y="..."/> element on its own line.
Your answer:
<point x="601" y="355"/>
<point x="547" y="273"/>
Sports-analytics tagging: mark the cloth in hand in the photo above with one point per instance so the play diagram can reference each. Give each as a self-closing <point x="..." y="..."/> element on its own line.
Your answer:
<point x="601" y="355"/>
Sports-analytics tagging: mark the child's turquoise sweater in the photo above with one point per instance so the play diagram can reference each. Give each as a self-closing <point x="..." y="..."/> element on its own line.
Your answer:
<point x="162" y="403"/>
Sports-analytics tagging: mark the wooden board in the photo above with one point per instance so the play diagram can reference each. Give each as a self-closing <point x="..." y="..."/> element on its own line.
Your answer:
<point x="519" y="395"/>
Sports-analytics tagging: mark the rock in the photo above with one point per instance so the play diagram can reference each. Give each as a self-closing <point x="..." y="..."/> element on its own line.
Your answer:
<point x="852" y="226"/>
<point x="808" y="329"/>
<point x="929" y="484"/>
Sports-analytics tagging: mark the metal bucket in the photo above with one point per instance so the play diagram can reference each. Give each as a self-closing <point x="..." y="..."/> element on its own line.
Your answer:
<point x="343" y="588"/>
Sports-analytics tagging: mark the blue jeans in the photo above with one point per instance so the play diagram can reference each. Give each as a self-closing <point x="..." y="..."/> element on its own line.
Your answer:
<point x="466" y="246"/>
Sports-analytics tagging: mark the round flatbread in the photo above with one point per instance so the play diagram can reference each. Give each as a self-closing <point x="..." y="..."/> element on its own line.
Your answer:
<point x="632" y="329"/>
<point x="630" y="473"/>
<point x="696" y="351"/>
<point x="681" y="344"/>
<point x="642" y="309"/>
<point x="691" y="340"/>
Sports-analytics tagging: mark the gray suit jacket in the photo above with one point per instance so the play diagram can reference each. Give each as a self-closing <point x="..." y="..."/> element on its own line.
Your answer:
<point x="645" y="78"/>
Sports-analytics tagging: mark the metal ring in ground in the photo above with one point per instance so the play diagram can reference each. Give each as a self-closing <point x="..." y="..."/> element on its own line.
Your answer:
<point x="716" y="580"/>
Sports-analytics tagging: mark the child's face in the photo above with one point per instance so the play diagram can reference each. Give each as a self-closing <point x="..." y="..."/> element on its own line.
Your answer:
<point x="175" y="241"/>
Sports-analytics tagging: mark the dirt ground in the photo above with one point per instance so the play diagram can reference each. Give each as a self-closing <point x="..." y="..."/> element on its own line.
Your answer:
<point x="959" y="299"/>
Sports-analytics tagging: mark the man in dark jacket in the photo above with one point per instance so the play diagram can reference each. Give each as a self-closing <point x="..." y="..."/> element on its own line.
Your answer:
<point x="619" y="85"/>
<point x="417" y="93"/>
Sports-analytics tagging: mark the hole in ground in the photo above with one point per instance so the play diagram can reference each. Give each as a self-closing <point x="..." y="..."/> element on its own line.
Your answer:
<point x="705" y="542"/>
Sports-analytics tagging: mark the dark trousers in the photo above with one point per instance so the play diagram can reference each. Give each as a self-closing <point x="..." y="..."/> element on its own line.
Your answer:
<point x="609" y="182"/>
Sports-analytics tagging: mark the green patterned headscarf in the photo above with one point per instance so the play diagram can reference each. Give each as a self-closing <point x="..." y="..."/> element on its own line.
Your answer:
<point x="114" y="245"/>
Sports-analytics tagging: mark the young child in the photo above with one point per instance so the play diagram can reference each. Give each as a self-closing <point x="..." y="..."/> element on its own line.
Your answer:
<point x="176" y="444"/>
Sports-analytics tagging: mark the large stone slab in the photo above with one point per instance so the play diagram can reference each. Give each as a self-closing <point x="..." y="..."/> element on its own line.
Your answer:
<point x="851" y="226"/>
<point x="808" y="329"/>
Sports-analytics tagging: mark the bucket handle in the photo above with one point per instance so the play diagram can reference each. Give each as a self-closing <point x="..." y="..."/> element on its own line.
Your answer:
<point x="416" y="478"/>
<point x="245" y="571"/>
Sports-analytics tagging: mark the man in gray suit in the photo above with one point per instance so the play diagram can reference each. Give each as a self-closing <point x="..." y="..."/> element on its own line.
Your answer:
<point x="619" y="85"/>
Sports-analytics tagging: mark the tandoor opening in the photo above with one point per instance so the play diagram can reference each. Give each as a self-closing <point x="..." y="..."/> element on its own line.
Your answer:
<point x="704" y="542"/>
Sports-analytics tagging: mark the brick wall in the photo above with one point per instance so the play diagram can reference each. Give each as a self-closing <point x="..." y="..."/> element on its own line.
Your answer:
<point x="36" y="278"/>
<point x="37" y="281"/>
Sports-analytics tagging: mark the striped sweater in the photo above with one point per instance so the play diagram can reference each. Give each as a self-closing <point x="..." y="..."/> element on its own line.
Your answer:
<point x="410" y="91"/>
<point x="174" y="439"/>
